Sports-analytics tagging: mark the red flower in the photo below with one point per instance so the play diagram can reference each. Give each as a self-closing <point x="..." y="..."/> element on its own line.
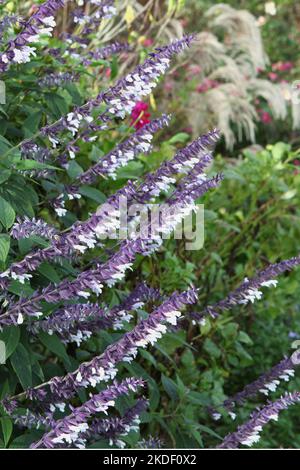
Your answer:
<point x="148" y="42"/>
<point x="272" y="76"/>
<point x="265" y="117"/>
<point x="139" y="115"/>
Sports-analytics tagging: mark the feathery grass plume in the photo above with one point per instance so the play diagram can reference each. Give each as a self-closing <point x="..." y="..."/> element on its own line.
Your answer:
<point x="228" y="80"/>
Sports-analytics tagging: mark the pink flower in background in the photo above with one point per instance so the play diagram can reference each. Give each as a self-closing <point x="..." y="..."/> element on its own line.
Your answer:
<point x="265" y="117"/>
<point x="206" y="85"/>
<point x="168" y="86"/>
<point x="108" y="73"/>
<point x="193" y="70"/>
<point x="282" y="66"/>
<point x="148" y="42"/>
<point x="273" y="76"/>
<point x="140" y="115"/>
<point x="184" y="22"/>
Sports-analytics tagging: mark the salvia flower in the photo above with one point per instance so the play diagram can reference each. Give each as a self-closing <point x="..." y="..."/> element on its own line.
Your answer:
<point x="105" y="52"/>
<point x="41" y="22"/>
<point x="105" y="10"/>
<point x="71" y="429"/>
<point x="119" y="99"/>
<point x="27" y="227"/>
<point x="265" y="384"/>
<point x="122" y="97"/>
<point x="103" y="368"/>
<point x="5" y="23"/>
<point x="151" y="443"/>
<point x="51" y="80"/>
<point x="83" y="235"/>
<point x="33" y="420"/>
<point x="138" y="142"/>
<point x="76" y="323"/>
<point x="115" y="428"/>
<point x="249" y="433"/>
<point x="115" y="268"/>
<point x="249" y="291"/>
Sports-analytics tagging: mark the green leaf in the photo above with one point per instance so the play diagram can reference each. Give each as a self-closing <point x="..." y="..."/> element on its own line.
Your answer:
<point x="7" y="213"/>
<point x="56" y="104"/>
<point x="33" y="165"/>
<point x="20" y="362"/>
<point x="10" y="336"/>
<point x="181" y="137"/>
<point x="244" y="338"/>
<point x="4" y="175"/>
<point x="74" y="170"/>
<point x="4" y="247"/>
<point x="49" y="272"/>
<point x="7" y="428"/>
<point x="93" y="193"/>
<point x="211" y="348"/>
<point x="170" y="387"/>
<point x="31" y="123"/>
<point x="54" y="344"/>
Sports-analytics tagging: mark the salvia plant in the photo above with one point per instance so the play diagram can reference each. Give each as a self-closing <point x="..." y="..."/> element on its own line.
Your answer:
<point x="55" y="290"/>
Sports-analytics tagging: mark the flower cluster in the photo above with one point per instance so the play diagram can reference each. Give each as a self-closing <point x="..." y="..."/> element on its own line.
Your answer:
<point x="103" y="368"/>
<point x="266" y="383"/>
<point x="249" y="433"/>
<point x="57" y="79"/>
<point x="72" y="429"/>
<point x="83" y="236"/>
<point x="115" y="428"/>
<point x="78" y="322"/>
<point x="139" y="142"/>
<point x="28" y="227"/>
<point x="140" y="116"/>
<point x="90" y="23"/>
<point x="249" y="290"/>
<point x="104" y="52"/>
<point x="41" y="22"/>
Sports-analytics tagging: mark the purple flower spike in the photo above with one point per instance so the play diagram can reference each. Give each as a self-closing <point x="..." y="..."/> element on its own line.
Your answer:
<point x="247" y="434"/>
<point x="249" y="290"/>
<point x="72" y="429"/>
<point x="26" y="228"/>
<point x="43" y="22"/>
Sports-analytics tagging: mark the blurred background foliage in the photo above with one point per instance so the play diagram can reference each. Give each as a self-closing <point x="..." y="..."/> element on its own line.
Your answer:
<point x="239" y="77"/>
